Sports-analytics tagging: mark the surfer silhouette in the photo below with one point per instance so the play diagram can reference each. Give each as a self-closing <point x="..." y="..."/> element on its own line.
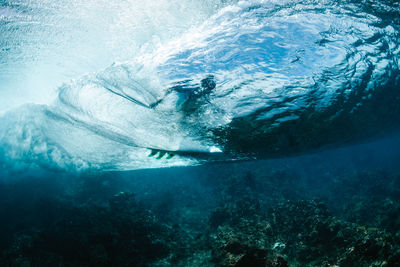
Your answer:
<point x="190" y="97"/>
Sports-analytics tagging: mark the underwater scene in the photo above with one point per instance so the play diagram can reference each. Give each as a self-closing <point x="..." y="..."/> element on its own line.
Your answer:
<point x="199" y="133"/>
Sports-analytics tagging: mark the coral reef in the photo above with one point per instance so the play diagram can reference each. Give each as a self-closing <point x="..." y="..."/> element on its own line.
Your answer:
<point x="122" y="234"/>
<point x="299" y="233"/>
<point x="247" y="218"/>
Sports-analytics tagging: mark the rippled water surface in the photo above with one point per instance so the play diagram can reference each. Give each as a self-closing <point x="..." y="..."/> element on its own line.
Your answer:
<point x="132" y="84"/>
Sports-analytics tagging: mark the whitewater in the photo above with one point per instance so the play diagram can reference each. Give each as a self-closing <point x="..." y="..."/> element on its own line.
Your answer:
<point x="132" y="85"/>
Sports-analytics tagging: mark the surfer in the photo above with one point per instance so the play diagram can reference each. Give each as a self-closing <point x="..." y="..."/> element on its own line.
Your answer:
<point x="190" y="97"/>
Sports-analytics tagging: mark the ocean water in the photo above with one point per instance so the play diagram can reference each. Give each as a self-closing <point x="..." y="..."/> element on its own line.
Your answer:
<point x="199" y="133"/>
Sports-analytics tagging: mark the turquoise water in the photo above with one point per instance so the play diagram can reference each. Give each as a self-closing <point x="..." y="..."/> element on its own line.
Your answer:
<point x="287" y="78"/>
<point x="179" y="133"/>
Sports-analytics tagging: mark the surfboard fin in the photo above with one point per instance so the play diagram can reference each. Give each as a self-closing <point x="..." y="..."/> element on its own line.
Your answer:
<point x="160" y="154"/>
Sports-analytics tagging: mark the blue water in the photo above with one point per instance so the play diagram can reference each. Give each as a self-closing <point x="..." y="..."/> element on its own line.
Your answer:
<point x="287" y="77"/>
<point x="194" y="109"/>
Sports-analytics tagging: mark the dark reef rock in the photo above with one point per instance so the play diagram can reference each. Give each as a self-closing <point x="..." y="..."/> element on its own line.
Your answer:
<point x="300" y="233"/>
<point x="123" y="234"/>
<point x="256" y="219"/>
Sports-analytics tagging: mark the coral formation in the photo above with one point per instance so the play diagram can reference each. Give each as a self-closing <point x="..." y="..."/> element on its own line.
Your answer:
<point x="250" y="218"/>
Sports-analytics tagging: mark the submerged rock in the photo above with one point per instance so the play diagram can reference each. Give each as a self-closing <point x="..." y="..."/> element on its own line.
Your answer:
<point x="123" y="234"/>
<point x="309" y="235"/>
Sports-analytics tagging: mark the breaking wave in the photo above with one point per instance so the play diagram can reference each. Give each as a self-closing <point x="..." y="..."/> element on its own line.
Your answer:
<point x="242" y="80"/>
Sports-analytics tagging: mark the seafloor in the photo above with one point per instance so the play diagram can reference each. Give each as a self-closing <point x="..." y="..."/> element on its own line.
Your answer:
<point x="336" y="208"/>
